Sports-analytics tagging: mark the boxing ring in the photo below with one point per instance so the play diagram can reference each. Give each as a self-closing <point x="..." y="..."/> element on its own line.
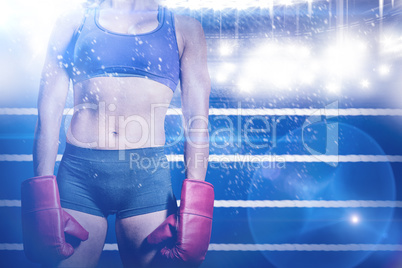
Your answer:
<point x="303" y="178"/>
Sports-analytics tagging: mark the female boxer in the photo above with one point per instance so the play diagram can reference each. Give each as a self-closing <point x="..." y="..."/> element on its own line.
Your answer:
<point x="125" y="59"/>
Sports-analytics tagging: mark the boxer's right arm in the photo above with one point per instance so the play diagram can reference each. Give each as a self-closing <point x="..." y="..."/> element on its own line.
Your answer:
<point x="44" y="222"/>
<point x="53" y="91"/>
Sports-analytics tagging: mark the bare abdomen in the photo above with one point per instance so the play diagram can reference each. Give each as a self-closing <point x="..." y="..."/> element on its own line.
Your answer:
<point x="119" y="113"/>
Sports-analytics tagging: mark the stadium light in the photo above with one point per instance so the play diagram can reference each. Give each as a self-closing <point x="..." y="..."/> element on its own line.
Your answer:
<point x="365" y="83"/>
<point x="384" y="69"/>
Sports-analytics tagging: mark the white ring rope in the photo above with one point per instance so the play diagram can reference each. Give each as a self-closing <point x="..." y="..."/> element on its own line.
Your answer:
<point x="250" y="158"/>
<point x="11" y="246"/>
<point x="16" y="157"/>
<point x="18" y="111"/>
<point x="307" y="204"/>
<point x="308" y="112"/>
<point x="279" y="203"/>
<point x="301" y="158"/>
<point x="305" y="247"/>
<point x="10" y="203"/>
<point x="263" y="247"/>
<point x="249" y="112"/>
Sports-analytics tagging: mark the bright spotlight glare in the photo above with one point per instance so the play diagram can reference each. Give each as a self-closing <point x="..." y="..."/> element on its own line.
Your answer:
<point x="35" y="19"/>
<point x="229" y="67"/>
<point x="225" y="49"/>
<point x="391" y="44"/>
<point x="333" y="87"/>
<point x="225" y="70"/>
<point x="361" y="46"/>
<point x="384" y="70"/>
<point x="345" y="59"/>
<point x="287" y="2"/>
<point x="280" y="65"/>
<point x="266" y="4"/>
<point x="267" y="50"/>
<point x="304" y="52"/>
<point x="365" y="83"/>
<point x="219" y="4"/>
<point x="307" y="78"/>
<point x="355" y="219"/>
<point x="38" y="45"/>
<point x="245" y="85"/>
<point x="220" y="78"/>
<point x="4" y="14"/>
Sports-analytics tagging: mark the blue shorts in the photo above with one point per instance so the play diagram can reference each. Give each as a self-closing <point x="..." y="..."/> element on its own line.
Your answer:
<point x="126" y="182"/>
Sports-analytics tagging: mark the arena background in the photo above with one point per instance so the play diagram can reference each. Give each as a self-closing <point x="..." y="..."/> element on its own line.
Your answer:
<point x="305" y="128"/>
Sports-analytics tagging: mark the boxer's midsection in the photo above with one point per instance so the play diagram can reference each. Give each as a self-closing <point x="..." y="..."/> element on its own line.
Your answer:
<point x="126" y="132"/>
<point x="110" y="115"/>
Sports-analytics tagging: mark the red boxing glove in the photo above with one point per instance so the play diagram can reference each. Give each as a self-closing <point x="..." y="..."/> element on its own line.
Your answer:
<point x="193" y="225"/>
<point x="44" y="221"/>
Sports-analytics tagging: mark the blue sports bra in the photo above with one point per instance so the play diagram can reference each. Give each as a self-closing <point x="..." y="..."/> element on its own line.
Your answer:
<point x="97" y="52"/>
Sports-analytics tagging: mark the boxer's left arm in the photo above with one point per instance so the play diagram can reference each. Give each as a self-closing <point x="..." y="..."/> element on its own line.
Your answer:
<point x="195" y="90"/>
<point x="191" y="228"/>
